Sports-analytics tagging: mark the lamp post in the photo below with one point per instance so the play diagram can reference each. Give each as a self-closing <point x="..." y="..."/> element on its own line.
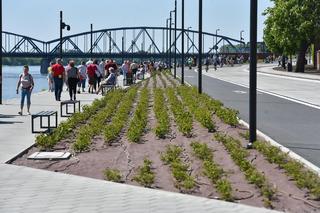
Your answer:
<point x="62" y="26"/>
<point x="216" y="46"/>
<point x="175" y="40"/>
<point x="200" y="49"/>
<point x="91" y="40"/>
<point x="253" y="73"/>
<point x="167" y="40"/>
<point x="1" y="52"/>
<point x="182" y="42"/>
<point x="170" y="49"/>
<point x="241" y="38"/>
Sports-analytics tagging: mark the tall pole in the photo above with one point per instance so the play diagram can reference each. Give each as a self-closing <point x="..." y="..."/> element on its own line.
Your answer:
<point x="1" y="52"/>
<point x="170" y="29"/>
<point x="122" y="48"/>
<point x="182" y="43"/>
<point x="167" y="40"/>
<point x="60" y="55"/>
<point x="200" y="49"/>
<point x="91" y="40"/>
<point x="175" y="40"/>
<point x="253" y="72"/>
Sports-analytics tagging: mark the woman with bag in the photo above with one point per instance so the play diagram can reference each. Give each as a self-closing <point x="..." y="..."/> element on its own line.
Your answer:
<point x="27" y="84"/>
<point x="73" y="79"/>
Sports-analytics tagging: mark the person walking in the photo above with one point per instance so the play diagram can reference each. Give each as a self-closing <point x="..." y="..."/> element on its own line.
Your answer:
<point x="73" y="79"/>
<point x="58" y="77"/>
<point x="91" y="71"/>
<point x="50" y="78"/>
<point x="83" y="76"/>
<point x="26" y="82"/>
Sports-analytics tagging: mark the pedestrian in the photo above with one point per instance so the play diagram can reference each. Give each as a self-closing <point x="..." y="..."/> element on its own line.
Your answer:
<point x="26" y="82"/>
<point x="91" y="71"/>
<point x="58" y="77"/>
<point x="134" y="68"/>
<point x="50" y="78"/>
<point x="83" y="76"/>
<point x="73" y="79"/>
<point x="98" y="74"/>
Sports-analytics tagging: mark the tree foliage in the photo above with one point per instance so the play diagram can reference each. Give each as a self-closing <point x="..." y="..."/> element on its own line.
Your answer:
<point x="292" y="26"/>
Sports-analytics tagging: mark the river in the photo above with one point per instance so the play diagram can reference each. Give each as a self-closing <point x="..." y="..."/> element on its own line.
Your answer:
<point x="11" y="76"/>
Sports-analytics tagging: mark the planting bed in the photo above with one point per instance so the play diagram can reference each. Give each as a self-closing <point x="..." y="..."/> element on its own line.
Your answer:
<point x="161" y="135"/>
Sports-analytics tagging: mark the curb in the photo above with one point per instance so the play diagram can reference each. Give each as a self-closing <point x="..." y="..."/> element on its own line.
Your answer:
<point x="284" y="149"/>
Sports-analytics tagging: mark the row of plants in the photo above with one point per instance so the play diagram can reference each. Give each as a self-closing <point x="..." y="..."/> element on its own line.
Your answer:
<point x="96" y="123"/>
<point x="164" y="83"/>
<point x="182" y="117"/>
<point x="213" y="171"/>
<point x="239" y="156"/>
<point x="140" y="119"/>
<point x="184" y="181"/>
<point x="302" y="177"/>
<point x="112" y="130"/>
<point x="154" y="78"/>
<point x="161" y="112"/>
<point x="168" y="76"/>
<point x="227" y="115"/>
<point x="145" y="175"/>
<point x="48" y="141"/>
<point x="200" y="112"/>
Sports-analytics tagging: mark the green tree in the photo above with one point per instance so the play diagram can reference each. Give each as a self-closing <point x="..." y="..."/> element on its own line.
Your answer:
<point x="291" y="27"/>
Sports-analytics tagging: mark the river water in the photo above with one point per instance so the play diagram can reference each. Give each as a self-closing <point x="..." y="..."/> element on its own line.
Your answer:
<point x="11" y="76"/>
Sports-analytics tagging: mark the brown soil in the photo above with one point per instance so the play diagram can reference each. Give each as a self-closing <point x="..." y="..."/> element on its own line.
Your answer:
<point x="127" y="157"/>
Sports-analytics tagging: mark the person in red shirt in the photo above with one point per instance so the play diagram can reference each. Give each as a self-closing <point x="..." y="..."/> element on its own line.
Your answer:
<point x="58" y="77"/>
<point x="91" y="71"/>
<point x="110" y="63"/>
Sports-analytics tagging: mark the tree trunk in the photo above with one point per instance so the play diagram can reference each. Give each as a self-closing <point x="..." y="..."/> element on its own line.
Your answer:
<point x="301" y="57"/>
<point x="316" y="48"/>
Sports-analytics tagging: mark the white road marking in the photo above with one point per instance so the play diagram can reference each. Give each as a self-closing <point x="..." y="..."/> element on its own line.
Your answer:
<point x="240" y="92"/>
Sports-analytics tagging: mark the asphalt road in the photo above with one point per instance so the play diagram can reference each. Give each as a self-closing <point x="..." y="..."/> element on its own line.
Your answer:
<point x="291" y="124"/>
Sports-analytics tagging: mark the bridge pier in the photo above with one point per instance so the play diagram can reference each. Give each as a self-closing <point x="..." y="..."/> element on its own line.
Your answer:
<point x="45" y="63"/>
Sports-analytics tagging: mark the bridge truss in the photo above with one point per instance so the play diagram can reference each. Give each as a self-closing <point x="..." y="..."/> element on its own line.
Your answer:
<point x="124" y="42"/>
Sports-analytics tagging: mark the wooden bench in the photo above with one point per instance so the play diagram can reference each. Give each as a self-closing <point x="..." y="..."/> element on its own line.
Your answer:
<point x="41" y="115"/>
<point x="67" y="103"/>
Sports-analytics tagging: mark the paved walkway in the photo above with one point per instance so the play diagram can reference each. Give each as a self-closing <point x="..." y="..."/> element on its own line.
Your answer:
<point x="24" y="189"/>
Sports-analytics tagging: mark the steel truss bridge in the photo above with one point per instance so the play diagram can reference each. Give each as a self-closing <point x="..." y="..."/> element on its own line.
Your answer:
<point x="124" y="42"/>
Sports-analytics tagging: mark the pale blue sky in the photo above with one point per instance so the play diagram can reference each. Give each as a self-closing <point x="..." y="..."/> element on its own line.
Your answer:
<point x="40" y="18"/>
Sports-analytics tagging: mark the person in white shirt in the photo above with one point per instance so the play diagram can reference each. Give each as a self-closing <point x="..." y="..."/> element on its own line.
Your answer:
<point x="83" y="76"/>
<point x="101" y="68"/>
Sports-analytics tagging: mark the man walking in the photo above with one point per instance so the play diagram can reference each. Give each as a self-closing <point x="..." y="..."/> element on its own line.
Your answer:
<point x="58" y="77"/>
